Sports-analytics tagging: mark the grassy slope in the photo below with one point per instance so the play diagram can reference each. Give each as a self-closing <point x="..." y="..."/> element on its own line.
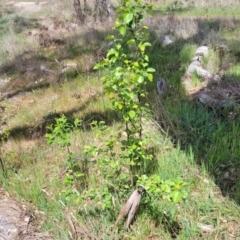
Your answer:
<point x="196" y="146"/>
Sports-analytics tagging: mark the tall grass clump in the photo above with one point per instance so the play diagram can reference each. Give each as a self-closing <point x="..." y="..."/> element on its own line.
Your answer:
<point x="11" y="46"/>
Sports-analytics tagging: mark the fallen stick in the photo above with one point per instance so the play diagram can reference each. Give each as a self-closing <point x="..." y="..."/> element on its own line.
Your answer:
<point x="72" y="227"/>
<point x="131" y="207"/>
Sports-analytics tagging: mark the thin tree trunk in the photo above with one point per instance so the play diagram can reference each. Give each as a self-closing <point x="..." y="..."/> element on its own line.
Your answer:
<point x="78" y="10"/>
<point x="108" y="10"/>
<point x="85" y="10"/>
<point x="96" y="10"/>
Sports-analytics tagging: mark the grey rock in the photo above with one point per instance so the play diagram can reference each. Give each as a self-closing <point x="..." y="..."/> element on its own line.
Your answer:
<point x="222" y="48"/>
<point x="202" y="51"/>
<point x="196" y="67"/>
<point x="206" y="100"/>
<point x="215" y="78"/>
<point x="10" y="219"/>
<point x="206" y="228"/>
<point x="68" y="66"/>
<point x="45" y="69"/>
<point x="72" y="65"/>
<point x="161" y="86"/>
<point x="226" y="104"/>
<point x="4" y="82"/>
<point x="15" y="222"/>
<point x="165" y="40"/>
<point x="8" y="230"/>
<point x="197" y="58"/>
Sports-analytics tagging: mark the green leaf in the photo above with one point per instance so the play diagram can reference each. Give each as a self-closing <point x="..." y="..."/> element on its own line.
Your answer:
<point x="179" y="180"/>
<point x="117" y="75"/>
<point x="120" y="106"/>
<point x="136" y="64"/>
<point x="110" y="37"/>
<point x="133" y="24"/>
<point x="140" y="79"/>
<point x="176" y="185"/>
<point x="147" y="44"/>
<point x="112" y="51"/>
<point x="126" y="118"/>
<point x="150" y="77"/>
<point x="118" y="46"/>
<point x="131" y="41"/>
<point x="97" y="66"/>
<point x="131" y="114"/>
<point x="176" y="196"/>
<point x="128" y="17"/>
<point x="151" y="70"/>
<point x="142" y="47"/>
<point x="122" y="30"/>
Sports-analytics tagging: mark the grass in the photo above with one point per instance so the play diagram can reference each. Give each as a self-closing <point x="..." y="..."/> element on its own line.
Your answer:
<point x="191" y="141"/>
<point x="207" y="9"/>
<point x="235" y="70"/>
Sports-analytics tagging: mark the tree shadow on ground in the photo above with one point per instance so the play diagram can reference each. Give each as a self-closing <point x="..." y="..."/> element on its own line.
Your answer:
<point x="39" y="129"/>
<point x="29" y="69"/>
<point x="30" y="77"/>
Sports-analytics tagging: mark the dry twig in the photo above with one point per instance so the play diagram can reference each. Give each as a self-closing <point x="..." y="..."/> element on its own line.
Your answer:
<point x="131" y="207"/>
<point x="72" y="227"/>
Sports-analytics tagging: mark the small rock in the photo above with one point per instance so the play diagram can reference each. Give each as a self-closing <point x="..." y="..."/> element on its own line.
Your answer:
<point x="214" y="103"/>
<point x="165" y="40"/>
<point x="72" y="65"/>
<point x="226" y="104"/>
<point x="222" y="48"/>
<point x="202" y="51"/>
<point x="68" y="66"/>
<point x="45" y="69"/>
<point x="197" y="58"/>
<point x="226" y="175"/>
<point x="205" y="99"/>
<point x="215" y="78"/>
<point x="206" y="228"/>
<point x="196" y="67"/>
<point x="161" y="86"/>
